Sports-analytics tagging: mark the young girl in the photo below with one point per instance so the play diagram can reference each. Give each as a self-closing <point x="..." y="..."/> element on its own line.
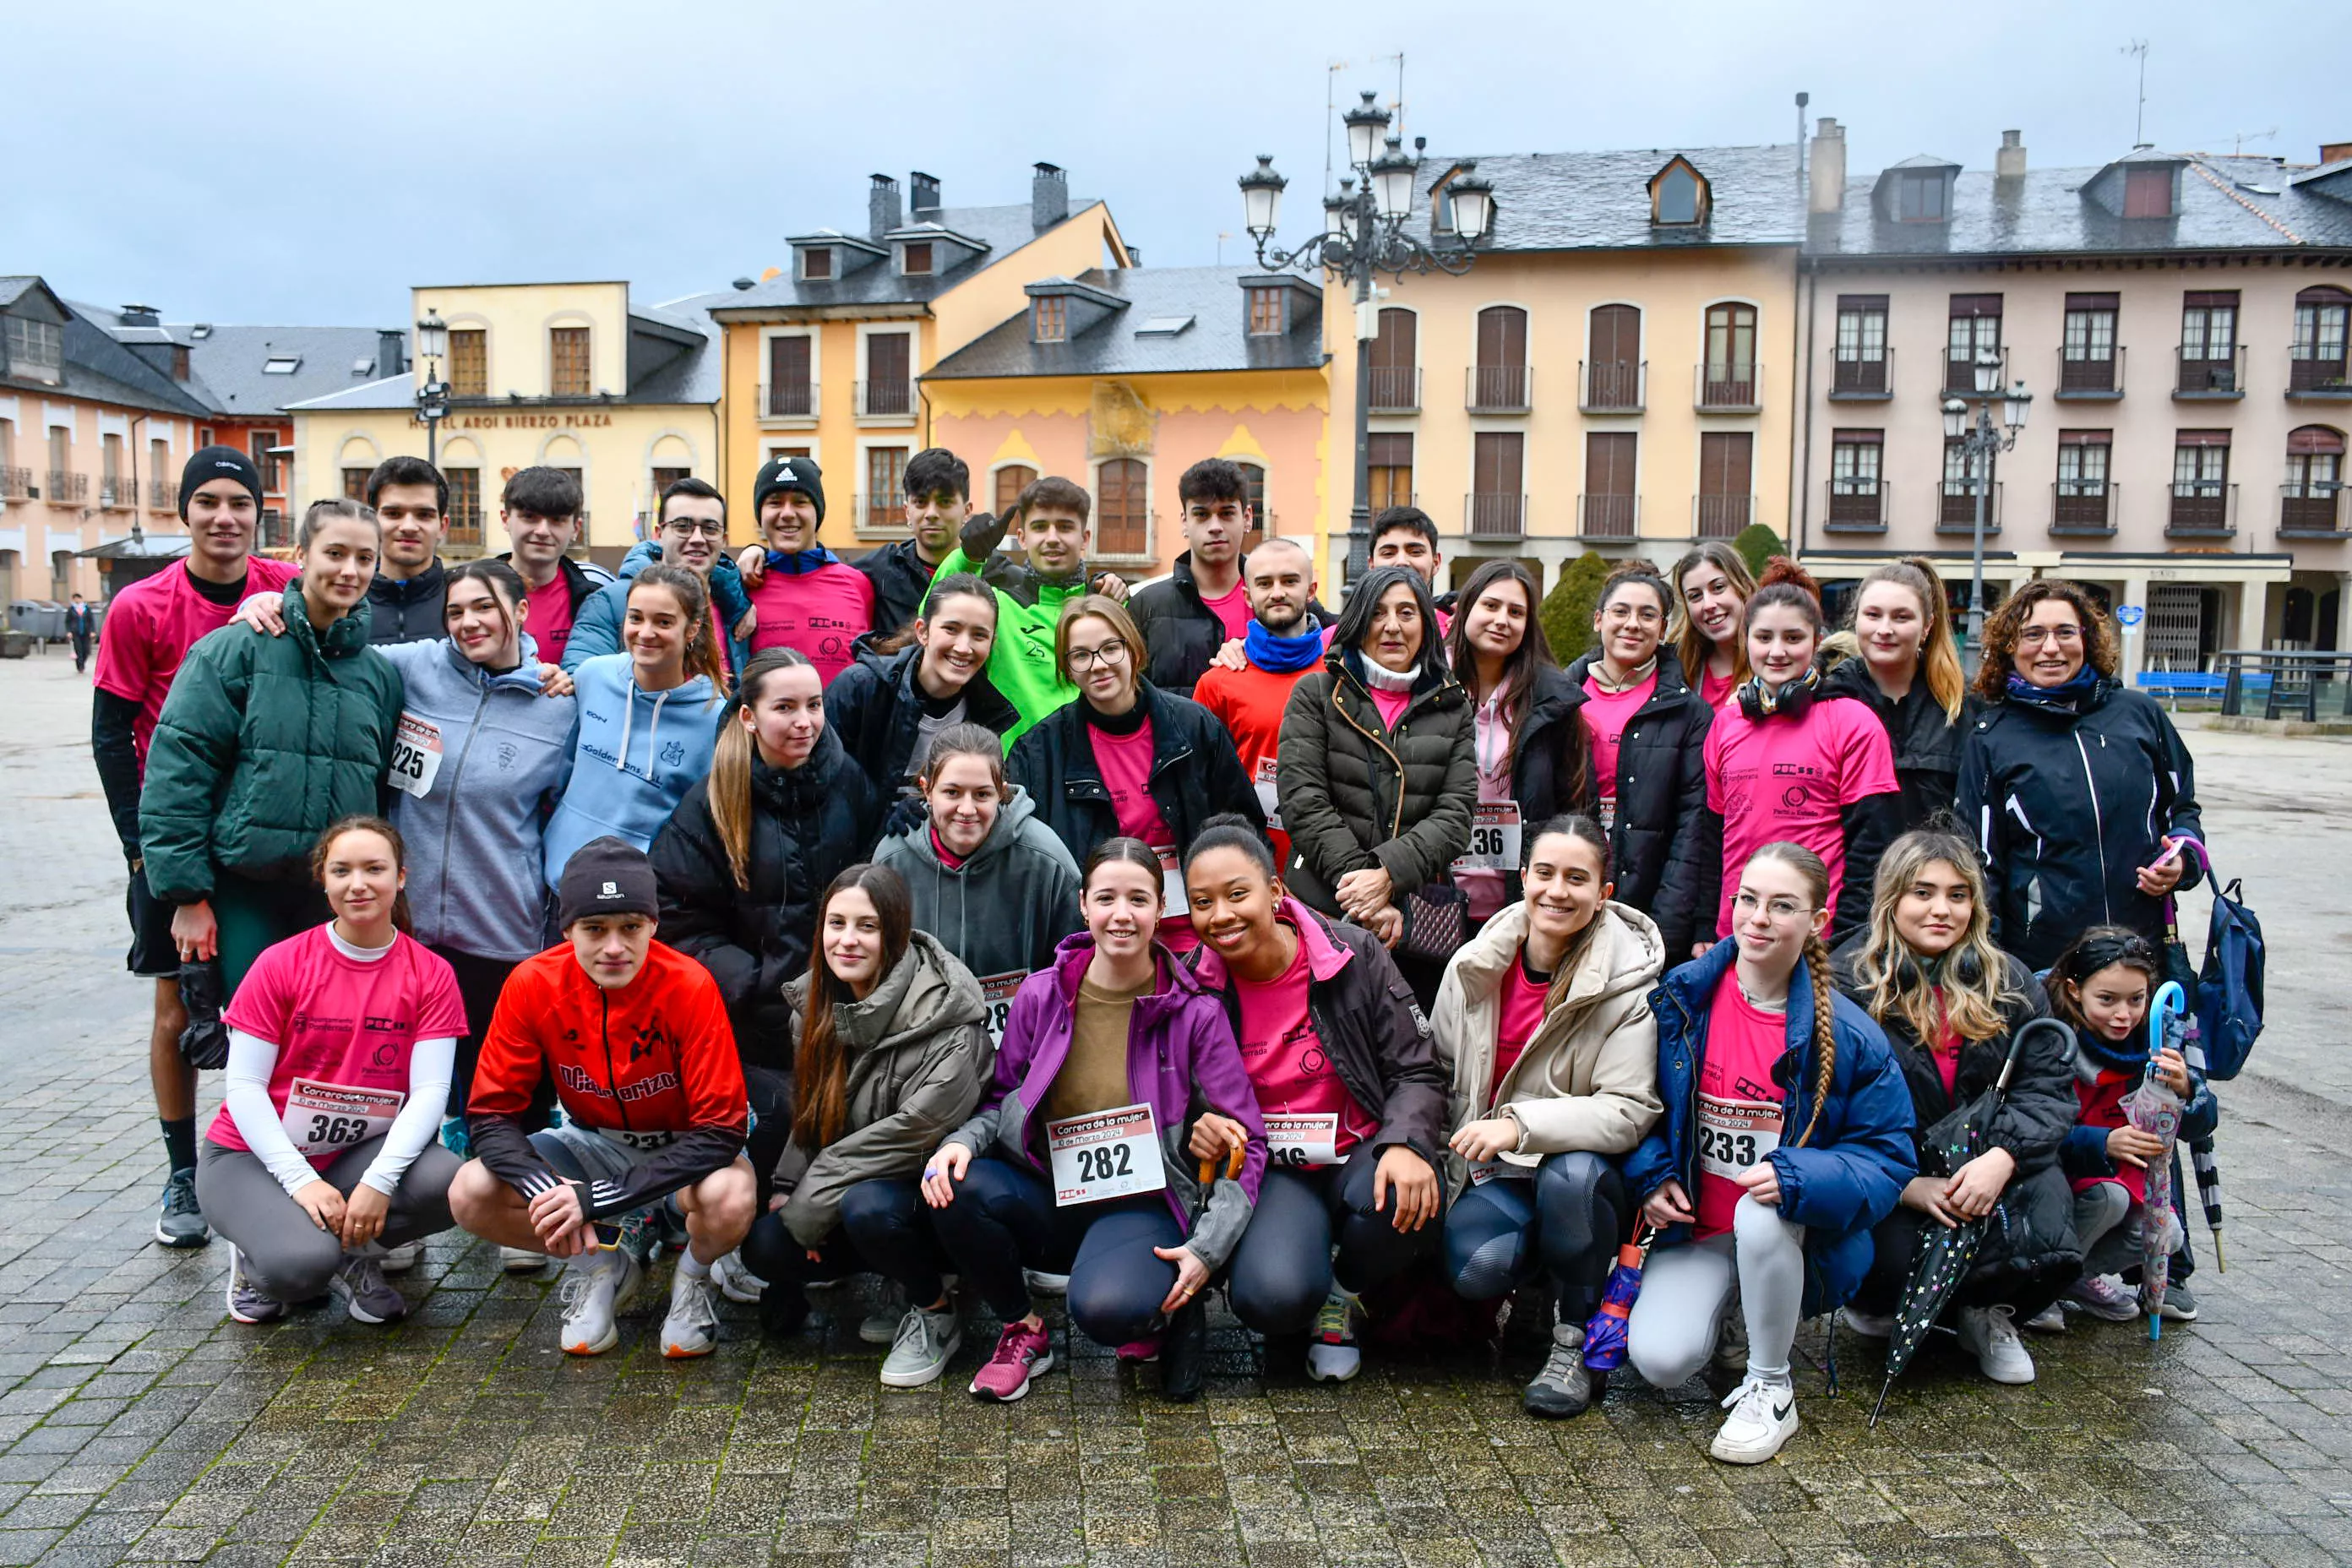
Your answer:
<point x="1713" y="585"/>
<point x="2103" y="985"/>
<point x="988" y="879"/>
<point x="1544" y="1019"/>
<point x="1788" y="762"/>
<point x="1908" y="673"/>
<point x="1951" y="1003"/>
<point x="1076" y="1162"/>
<point x="1353" y="1099"/>
<point x="903" y="690"/>
<point x="1786" y="1138"/>
<point x="340" y="1045"/>
<point x="892" y="1054"/>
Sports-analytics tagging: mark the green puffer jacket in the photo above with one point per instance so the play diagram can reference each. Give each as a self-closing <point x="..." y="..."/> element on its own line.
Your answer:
<point x="263" y="742"/>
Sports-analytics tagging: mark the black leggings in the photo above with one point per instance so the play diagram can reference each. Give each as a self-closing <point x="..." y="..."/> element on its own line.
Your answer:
<point x="1284" y="1268"/>
<point x="1567" y="1222"/>
<point x="1003" y="1220"/>
<point x="881" y="1232"/>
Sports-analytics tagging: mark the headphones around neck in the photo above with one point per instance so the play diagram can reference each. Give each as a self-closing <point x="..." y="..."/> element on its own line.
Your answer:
<point x="1911" y="975"/>
<point x="1759" y="703"/>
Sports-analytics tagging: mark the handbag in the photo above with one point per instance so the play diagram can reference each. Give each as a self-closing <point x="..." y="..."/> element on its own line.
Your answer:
<point x="204" y="1042"/>
<point x="1436" y="922"/>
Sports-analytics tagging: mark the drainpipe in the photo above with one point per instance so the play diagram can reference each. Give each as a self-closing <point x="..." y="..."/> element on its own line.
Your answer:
<point x="1804" y="475"/>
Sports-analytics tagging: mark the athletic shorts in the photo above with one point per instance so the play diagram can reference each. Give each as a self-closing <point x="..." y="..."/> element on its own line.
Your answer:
<point x="581" y="1154"/>
<point x="152" y="953"/>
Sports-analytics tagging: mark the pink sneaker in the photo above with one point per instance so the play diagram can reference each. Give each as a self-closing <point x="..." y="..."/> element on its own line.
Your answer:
<point x="1143" y="1349"/>
<point x="1022" y="1352"/>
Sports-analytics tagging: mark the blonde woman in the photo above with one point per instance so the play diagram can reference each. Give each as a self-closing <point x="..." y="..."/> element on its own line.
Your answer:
<point x="1713" y="587"/>
<point x="1907" y="667"/>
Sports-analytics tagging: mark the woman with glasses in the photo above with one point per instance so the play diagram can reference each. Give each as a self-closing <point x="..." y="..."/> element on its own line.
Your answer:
<point x="2076" y="788"/>
<point x="1127" y="759"/>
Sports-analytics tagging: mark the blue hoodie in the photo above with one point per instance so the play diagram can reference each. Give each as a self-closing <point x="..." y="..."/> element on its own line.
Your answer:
<point x="596" y="624"/>
<point x="637" y="753"/>
<point x="473" y="831"/>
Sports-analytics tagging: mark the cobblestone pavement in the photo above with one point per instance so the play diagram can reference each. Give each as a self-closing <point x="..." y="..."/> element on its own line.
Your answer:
<point x="138" y="1423"/>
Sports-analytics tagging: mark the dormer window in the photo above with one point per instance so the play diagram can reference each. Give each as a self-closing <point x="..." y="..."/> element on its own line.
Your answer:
<point x="1922" y="196"/>
<point x="817" y="264"/>
<point x="2147" y="192"/>
<point x="34" y="348"/>
<point x="1265" y="312"/>
<point x="915" y="259"/>
<point x="1679" y="197"/>
<point x="1049" y="319"/>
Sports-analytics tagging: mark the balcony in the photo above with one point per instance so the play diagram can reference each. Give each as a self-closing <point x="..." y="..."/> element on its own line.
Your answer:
<point x="1607" y="517"/>
<point x="1721" y="517"/>
<point x="878" y="515"/>
<point x="1960" y="373"/>
<point x="1863" y="380"/>
<point x="2083" y="509"/>
<point x="2203" y="508"/>
<point x="15" y="484"/>
<point x="2089" y="380"/>
<point x="886" y="399"/>
<point x="1495" y="514"/>
<point x="116" y="493"/>
<point x="1613" y="386"/>
<point x="162" y="496"/>
<point x="1731" y="388"/>
<point x="1956" y="508"/>
<point x="1500" y="388"/>
<point x="788" y="400"/>
<point x="2313" y="510"/>
<point x="2197" y="378"/>
<point x="2317" y="380"/>
<point x="1857" y="506"/>
<point x="1394" y="390"/>
<point x="66" y="487"/>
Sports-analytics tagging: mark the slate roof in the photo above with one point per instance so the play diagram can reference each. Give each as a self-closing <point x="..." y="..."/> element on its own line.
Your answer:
<point x="93" y="365"/>
<point x="1003" y="229"/>
<point x="1600" y="201"/>
<point x="2045" y="211"/>
<point x="225" y="365"/>
<point x="1218" y="338"/>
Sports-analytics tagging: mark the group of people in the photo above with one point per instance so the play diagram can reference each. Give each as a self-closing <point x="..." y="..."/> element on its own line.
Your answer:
<point x="958" y="914"/>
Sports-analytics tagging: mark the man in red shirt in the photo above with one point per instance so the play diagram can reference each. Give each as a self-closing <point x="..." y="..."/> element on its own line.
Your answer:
<point x="540" y="507"/>
<point x="634" y="1035"/>
<point x="1281" y="644"/>
<point x="148" y="630"/>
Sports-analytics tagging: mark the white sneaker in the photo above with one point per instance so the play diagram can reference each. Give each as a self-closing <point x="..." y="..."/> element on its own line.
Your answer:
<point x="1044" y="1284"/>
<point x="597" y="1286"/>
<point x="692" y="1326"/>
<point x="401" y="1258"/>
<point x="1991" y="1335"/>
<point x="2051" y="1320"/>
<point x="925" y="1341"/>
<point x="521" y="1260"/>
<point x="736" y="1280"/>
<point x="1332" y="1355"/>
<point x="1869" y="1325"/>
<point x="1763" y="1417"/>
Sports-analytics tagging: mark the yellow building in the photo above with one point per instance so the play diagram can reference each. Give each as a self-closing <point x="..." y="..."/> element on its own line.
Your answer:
<point x="568" y="375"/>
<point x="1604" y="376"/>
<point x="825" y="359"/>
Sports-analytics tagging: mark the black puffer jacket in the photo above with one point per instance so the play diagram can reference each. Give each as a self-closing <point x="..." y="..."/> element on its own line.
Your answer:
<point x="808" y="824"/>
<point x="900" y="579"/>
<point x="1180" y="633"/>
<point x="875" y="708"/>
<point x="1354" y="794"/>
<point x="1666" y="850"/>
<point x="1928" y="745"/>
<point x="1195" y="771"/>
<point x="2067" y="807"/>
<point x="406" y="609"/>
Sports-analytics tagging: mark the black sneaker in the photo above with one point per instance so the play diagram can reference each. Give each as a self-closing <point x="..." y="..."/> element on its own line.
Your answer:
<point x="181" y="1222"/>
<point x="1184" y="1354"/>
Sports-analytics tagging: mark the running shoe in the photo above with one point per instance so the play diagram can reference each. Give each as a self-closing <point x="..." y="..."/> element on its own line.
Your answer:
<point x="691" y="1329"/>
<point x="597" y="1288"/>
<point x="1989" y="1334"/>
<point x="2051" y="1320"/>
<point x="521" y="1260"/>
<point x="1332" y="1353"/>
<point x="1869" y="1325"/>
<point x="401" y="1258"/>
<point x="367" y="1295"/>
<point x="1135" y="1352"/>
<point x="2180" y="1306"/>
<point x="248" y="1303"/>
<point x="925" y="1341"/>
<point x="1564" y="1386"/>
<point x="736" y="1280"/>
<point x="2104" y="1295"/>
<point x="181" y="1222"/>
<point x="1022" y="1353"/>
<point x="1763" y="1417"/>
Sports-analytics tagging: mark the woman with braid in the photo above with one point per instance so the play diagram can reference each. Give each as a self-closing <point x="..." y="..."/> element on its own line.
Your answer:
<point x="1786" y="1137"/>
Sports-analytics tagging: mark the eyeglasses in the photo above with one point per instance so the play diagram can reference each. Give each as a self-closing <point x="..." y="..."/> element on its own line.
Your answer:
<point x="690" y="526"/>
<point x="1745" y="905"/>
<point x="2034" y="636"/>
<point x="1082" y="659"/>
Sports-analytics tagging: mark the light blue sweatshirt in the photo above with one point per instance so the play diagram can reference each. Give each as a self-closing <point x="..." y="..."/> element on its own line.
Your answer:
<point x="636" y="755"/>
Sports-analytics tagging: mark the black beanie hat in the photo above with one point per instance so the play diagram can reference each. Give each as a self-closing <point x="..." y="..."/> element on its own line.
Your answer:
<point x="218" y="463"/>
<point x="605" y="876"/>
<point x="789" y="474"/>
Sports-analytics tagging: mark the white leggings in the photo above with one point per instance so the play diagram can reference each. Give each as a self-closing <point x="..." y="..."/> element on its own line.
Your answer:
<point x="1679" y="1313"/>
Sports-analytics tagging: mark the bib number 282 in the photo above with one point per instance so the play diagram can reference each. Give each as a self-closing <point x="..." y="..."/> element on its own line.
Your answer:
<point x="1107" y="1163"/>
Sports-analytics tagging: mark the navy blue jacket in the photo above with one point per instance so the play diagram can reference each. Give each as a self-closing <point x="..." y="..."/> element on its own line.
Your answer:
<point x="1838" y="1186"/>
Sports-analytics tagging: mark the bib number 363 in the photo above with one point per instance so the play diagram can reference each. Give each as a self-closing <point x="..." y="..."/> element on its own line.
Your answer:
<point x="329" y="1118"/>
<point x="1107" y="1154"/>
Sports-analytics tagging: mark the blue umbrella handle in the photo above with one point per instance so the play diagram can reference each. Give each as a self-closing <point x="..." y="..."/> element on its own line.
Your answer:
<point x="2171" y="1002"/>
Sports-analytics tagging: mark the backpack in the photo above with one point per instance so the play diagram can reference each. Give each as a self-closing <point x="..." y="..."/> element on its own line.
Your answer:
<point x="2230" y="987"/>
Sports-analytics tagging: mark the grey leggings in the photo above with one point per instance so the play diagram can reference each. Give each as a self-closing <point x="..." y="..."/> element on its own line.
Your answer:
<point x="1680" y="1310"/>
<point x="287" y="1255"/>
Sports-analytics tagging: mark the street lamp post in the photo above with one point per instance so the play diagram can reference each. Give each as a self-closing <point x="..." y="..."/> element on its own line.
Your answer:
<point x="1364" y="235"/>
<point x="433" y="396"/>
<point x="1978" y="442"/>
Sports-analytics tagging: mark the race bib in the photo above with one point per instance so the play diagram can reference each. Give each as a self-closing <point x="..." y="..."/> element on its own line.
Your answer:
<point x="415" y="755"/>
<point x="1493" y="837"/>
<point x="1174" y="902"/>
<point x="1267" y="798"/>
<point x="1109" y="1155"/>
<point x="640" y="1142"/>
<point x="1298" y="1141"/>
<point x="1502" y="1168"/>
<point x="1734" y="1134"/>
<point x="997" y="994"/>
<point x="1608" y="814"/>
<point x="329" y="1118"/>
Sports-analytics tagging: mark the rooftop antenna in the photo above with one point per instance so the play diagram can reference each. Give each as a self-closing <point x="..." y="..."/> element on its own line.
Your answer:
<point x="1802" y="99"/>
<point x="2138" y="47"/>
<point x="1397" y="104"/>
<point x="2239" y="139"/>
<point x="1330" y="113"/>
<point x="1222" y="235"/>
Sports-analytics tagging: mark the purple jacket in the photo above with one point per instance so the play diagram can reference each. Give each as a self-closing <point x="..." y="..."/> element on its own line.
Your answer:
<point x="1180" y="1060"/>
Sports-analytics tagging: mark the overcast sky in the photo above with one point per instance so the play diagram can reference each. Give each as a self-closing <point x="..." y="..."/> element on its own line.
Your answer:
<point x="306" y="163"/>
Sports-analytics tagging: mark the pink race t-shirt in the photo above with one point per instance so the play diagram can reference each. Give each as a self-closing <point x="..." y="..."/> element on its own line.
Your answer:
<point x="150" y="625"/>
<point x="551" y="618"/>
<point x="1126" y="764"/>
<point x="1488" y="888"/>
<point x="1714" y="689"/>
<point x="1522" y="1015"/>
<point x="821" y="613"/>
<point x="1738" y="1104"/>
<point x="1390" y="703"/>
<point x="1283" y="1054"/>
<point x="1789" y="778"/>
<point x="341" y="1024"/>
<point x="1606" y="714"/>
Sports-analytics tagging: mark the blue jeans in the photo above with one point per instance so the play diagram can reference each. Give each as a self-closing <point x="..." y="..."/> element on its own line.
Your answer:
<point x="1567" y="1222"/>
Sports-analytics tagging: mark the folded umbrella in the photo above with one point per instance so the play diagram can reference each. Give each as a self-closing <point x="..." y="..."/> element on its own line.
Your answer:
<point x="2156" y="1110"/>
<point x="1604" y="1332"/>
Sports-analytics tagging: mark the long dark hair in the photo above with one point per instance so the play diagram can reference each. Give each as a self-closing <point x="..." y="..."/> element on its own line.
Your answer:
<point x="729" y="785"/>
<point x="947" y="587"/>
<point x="822" y="1069"/>
<point x="693" y="595"/>
<point x="2100" y="947"/>
<point x="1690" y="643"/>
<point x="1534" y="653"/>
<point x="504" y="584"/>
<point x="1364" y="598"/>
<point x="1576" y="826"/>
<point x="363" y="823"/>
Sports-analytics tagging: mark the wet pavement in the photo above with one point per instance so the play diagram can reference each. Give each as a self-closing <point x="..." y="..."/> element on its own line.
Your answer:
<point x="139" y="1423"/>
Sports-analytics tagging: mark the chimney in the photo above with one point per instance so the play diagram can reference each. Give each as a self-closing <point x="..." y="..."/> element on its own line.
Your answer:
<point x="925" y="189"/>
<point x="2335" y="152"/>
<point x="1049" y="196"/>
<point x="2009" y="164"/>
<point x="881" y="207"/>
<point x="1827" y="191"/>
<point x="391" y="351"/>
<point x="139" y="315"/>
<point x="1134" y="257"/>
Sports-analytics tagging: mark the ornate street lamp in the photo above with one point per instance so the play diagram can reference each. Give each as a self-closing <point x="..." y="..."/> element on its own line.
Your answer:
<point x="433" y="395"/>
<point x="1979" y="443"/>
<point x="1364" y="234"/>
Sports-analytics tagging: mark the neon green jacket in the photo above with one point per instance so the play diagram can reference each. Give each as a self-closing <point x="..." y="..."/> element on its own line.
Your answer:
<point x="1028" y="607"/>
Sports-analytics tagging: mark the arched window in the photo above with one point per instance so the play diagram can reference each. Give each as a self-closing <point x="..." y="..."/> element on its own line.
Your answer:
<point x="2311" y="500"/>
<point x="1613" y="377"/>
<point x="1254" y="492"/>
<point x="1122" y="509"/>
<point x="1498" y="382"/>
<point x="1011" y="480"/>
<point x="1727" y="380"/>
<point x="2318" y="361"/>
